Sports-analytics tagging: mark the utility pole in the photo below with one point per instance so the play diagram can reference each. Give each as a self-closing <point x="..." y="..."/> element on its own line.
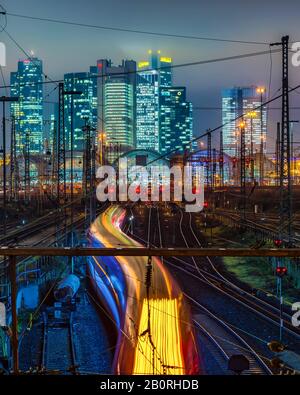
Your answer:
<point x="54" y="158"/>
<point x="251" y="153"/>
<point x="243" y="171"/>
<point x="88" y="166"/>
<point x="5" y="99"/>
<point x="61" y="147"/>
<point x="14" y="174"/>
<point x="285" y="231"/>
<point x="93" y="182"/>
<point x="71" y="93"/>
<point x="208" y="162"/>
<point x="261" y="91"/>
<point x="214" y="167"/>
<point x="285" y="228"/>
<point x="221" y="160"/>
<point x="14" y="336"/>
<point x="293" y="159"/>
<point x="251" y="114"/>
<point x="27" y="167"/>
<point x="102" y="148"/>
<point x="278" y="155"/>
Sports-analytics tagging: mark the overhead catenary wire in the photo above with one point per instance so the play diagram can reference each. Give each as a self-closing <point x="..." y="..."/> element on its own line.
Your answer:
<point x="195" y="139"/>
<point x="241" y="56"/>
<point x="135" y="31"/>
<point x="171" y="66"/>
<point x="26" y="54"/>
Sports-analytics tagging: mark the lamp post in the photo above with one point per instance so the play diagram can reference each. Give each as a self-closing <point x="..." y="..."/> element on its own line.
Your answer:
<point x="5" y="99"/>
<point x="261" y="91"/>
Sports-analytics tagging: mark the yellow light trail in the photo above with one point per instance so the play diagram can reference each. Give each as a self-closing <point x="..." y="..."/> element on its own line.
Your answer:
<point x="167" y="357"/>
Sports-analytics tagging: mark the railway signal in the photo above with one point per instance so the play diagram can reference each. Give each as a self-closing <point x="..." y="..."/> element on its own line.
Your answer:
<point x="278" y="242"/>
<point x="281" y="271"/>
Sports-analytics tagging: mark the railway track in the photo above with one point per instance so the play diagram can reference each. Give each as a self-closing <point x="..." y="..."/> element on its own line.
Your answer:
<point x="30" y="229"/>
<point x="226" y="341"/>
<point x="269" y="228"/>
<point x="222" y="338"/>
<point x="214" y="279"/>
<point x="219" y="282"/>
<point x="58" y="352"/>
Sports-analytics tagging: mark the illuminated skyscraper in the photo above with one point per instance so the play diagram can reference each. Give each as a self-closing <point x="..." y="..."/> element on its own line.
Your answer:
<point x="152" y="75"/>
<point x="163" y="65"/>
<point x="84" y="105"/>
<point x="236" y="102"/>
<point x="117" y="104"/>
<point x="176" y="120"/>
<point x="147" y="110"/>
<point x="26" y="83"/>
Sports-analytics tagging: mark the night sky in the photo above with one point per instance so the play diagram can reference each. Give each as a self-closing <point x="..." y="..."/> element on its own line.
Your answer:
<point x="65" y="48"/>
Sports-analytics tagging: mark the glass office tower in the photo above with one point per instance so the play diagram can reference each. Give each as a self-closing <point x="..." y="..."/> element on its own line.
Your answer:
<point x="117" y="105"/>
<point x="26" y="83"/>
<point x="236" y="102"/>
<point x="84" y="105"/>
<point x="176" y="120"/>
<point x="152" y="75"/>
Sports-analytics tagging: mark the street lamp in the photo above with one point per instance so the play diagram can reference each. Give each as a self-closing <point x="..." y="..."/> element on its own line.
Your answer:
<point x="5" y="99"/>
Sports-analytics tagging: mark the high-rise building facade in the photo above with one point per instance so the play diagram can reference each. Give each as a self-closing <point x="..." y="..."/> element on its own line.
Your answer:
<point x="236" y="102"/>
<point x="152" y="75"/>
<point x="176" y="120"/>
<point x="82" y="107"/>
<point x="117" y="103"/>
<point x="147" y="110"/>
<point x="163" y="65"/>
<point x="27" y="85"/>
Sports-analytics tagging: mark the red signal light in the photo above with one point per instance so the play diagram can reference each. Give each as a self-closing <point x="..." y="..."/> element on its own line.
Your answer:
<point x="281" y="271"/>
<point x="277" y="242"/>
<point x="205" y="204"/>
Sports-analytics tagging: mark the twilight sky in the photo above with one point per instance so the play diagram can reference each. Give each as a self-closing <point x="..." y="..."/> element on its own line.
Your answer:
<point x="65" y="48"/>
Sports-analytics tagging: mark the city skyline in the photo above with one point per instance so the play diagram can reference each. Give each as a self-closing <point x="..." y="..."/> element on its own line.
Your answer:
<point x="114" y="100"/>
<point x="204" y="82"/>
<point x="149" y="193"/>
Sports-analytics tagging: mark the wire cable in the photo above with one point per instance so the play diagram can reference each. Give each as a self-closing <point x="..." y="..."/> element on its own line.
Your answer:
<point x="135" y="31"/>
<point x="171" y="66"/>
<point x="28" y="56"/>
